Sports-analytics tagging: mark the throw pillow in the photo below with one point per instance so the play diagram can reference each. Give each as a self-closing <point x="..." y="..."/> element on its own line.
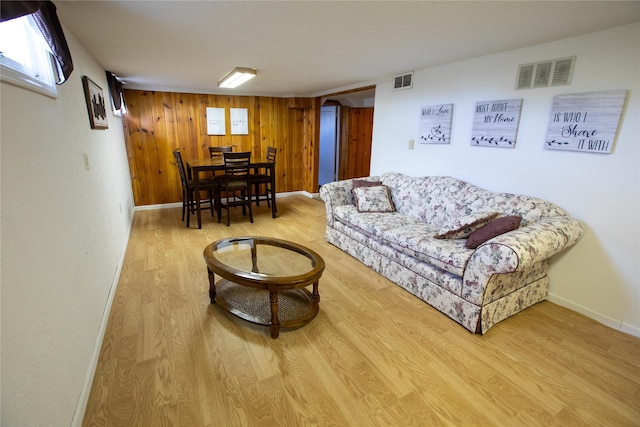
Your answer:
<point x="462" y="227"/>
<point x="495" y="228"/>
<point x="358" y="183"/>
<point x="373" y="199"/>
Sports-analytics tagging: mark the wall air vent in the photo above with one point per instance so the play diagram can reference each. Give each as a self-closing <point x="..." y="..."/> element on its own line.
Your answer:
<point x="403" y="81"/>
<point x="556" y="72"/>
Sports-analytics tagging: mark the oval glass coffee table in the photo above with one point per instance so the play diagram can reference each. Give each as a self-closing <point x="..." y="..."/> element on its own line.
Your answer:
<point x="263" y="280"/>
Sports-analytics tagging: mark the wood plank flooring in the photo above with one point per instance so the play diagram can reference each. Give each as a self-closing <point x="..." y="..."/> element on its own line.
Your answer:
<point x="374" y="356"/>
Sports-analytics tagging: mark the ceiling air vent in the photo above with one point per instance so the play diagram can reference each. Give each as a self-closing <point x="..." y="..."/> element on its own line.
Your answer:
<point x="403" y="81"/>
<point x="556" y="72"/>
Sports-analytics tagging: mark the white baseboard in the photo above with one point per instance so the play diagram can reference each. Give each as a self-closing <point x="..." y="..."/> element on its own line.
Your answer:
<point x="83" y="398"/>
<point x="599" y="317"/>
<point x="154" y="207"/>
<point x="630" y="329"/>
<point x="179" y="204"/>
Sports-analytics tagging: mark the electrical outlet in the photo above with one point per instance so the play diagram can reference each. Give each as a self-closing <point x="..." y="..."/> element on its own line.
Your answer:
<point x="86" y="161"/>
<point x="411" y="144"/>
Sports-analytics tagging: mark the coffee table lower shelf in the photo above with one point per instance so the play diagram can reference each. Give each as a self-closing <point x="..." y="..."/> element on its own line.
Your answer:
<point x="286" y="308"/>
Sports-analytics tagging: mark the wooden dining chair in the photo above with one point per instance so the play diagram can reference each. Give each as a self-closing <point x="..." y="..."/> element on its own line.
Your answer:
<point x="235" y="185"/>
<point x="188" y="192"/>
<point x="261" y="179"/>
<point x="216" y="152"/>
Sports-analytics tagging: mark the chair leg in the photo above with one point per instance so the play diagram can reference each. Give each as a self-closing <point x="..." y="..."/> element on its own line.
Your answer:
<point x="228" y="210"/>
<point x="219" y="204"/>
<point x="269" y="194"/>
<point x="249" y="204"/>
<point x="244" y="208"/>
<point x="256" y="189"/>
<point x="188" y="208"/>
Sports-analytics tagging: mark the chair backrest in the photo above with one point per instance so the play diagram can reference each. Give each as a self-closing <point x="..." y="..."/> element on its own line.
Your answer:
<point x="236" y="165"/>
<point x="271" y="154"/>
<point x="183" y="175"/>
<point x="218" y="151"/>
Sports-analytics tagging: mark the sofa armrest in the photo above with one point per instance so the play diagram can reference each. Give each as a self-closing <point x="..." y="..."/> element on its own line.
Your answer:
<point x="518" y="251"/>
<point x="338" y="193"/>
<point x="335" y="194"/>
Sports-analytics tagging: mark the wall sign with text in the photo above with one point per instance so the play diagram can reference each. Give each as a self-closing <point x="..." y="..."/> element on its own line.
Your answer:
<point x="239" y="121"/>
<point x="435" y="124"/>
<point x="495" y="123"/>
<point x="215" y="121"/>
<point x="585" y="121"/>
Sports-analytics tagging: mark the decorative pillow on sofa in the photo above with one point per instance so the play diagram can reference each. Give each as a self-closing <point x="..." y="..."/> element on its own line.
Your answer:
<point x="373" y="199"/>
<point x="495" y="228"/>
<point x="358" y="183"/>
<point x="461" y="227"/>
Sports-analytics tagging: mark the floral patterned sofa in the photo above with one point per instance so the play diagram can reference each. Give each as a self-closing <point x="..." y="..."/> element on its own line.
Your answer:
<point x="475" y="255"/>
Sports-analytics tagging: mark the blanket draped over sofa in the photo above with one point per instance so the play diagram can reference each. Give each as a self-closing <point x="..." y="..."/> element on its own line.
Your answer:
<point x="476" y="287"/>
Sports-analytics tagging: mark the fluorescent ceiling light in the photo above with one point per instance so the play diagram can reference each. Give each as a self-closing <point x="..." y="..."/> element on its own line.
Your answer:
<point x="236" y="77"/>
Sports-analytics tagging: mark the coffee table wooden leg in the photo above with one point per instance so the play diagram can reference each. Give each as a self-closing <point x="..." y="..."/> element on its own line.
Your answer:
<point x="212" y="287"/>
<point x="275" y="324"/>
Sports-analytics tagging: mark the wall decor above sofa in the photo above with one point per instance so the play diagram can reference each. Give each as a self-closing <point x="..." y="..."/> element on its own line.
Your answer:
<point x="585" y="121"/>
<point x="495" y="123"/>
<point x="435" y="124"/>
<point x="475" y="255"/>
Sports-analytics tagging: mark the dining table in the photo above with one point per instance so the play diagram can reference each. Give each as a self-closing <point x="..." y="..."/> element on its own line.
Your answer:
<point x="196" y="166"/>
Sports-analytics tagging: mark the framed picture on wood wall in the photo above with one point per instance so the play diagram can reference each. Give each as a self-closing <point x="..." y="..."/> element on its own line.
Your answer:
<point x="96" y="104"/>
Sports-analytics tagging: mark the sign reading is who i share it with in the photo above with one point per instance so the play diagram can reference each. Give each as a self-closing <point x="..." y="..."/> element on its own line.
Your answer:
<point x="585" y="121"/>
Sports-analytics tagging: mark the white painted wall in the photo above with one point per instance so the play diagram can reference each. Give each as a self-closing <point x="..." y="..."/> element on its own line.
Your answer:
<point x="63" y="238"/>
<point x="600" y="276"/>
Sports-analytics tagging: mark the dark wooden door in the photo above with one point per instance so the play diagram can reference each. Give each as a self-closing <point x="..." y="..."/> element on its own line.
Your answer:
<point x="355" y="142"/>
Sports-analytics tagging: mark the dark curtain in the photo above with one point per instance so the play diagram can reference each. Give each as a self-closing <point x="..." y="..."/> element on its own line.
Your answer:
<point x="115" y="89"/>
<point x="44" y="13"/>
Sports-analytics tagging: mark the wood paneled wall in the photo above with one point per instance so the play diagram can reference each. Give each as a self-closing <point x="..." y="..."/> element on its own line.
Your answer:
<point x="356" y="126"/>
<point x="157" y="123"/>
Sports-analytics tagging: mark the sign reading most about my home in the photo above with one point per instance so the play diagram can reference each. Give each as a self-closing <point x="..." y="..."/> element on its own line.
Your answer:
<point x="495" y="123"/>
<point x="585" y="121"/>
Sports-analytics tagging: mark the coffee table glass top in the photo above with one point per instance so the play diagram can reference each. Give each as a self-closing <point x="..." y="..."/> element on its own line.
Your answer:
<point x="264" y="259"/>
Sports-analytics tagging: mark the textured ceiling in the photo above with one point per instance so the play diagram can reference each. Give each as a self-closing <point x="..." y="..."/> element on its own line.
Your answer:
<point x="312" y="48"/>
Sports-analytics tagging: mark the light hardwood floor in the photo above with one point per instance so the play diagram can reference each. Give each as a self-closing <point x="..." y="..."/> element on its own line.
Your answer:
<point x="374" y="356"/>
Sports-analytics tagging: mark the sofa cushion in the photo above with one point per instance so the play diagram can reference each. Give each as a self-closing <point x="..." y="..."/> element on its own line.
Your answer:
<point x="495" y="228"/>
<point x="371" y="223"/>
<point x="461" y="227"/>
<point x="420" y="243"/>
<point x="373" y="199"/>
<point x="409" y="236"/>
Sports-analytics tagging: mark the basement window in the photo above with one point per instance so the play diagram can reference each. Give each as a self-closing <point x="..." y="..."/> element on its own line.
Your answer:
<point x="25" y="57"/>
